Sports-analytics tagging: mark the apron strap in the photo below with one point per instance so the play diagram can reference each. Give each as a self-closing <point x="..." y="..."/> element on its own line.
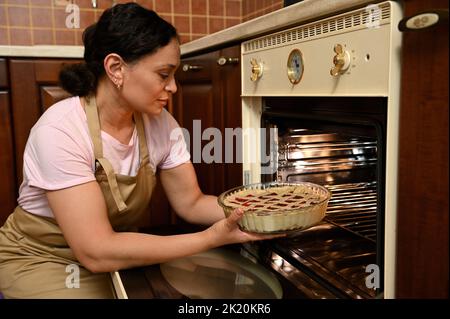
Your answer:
<point x="94" y="128"/>
<point x="143" y="149"/>
<point x="112" y="181"/>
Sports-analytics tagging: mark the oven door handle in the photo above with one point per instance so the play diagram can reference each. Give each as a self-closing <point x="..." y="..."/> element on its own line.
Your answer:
<point x="424" y="20"/>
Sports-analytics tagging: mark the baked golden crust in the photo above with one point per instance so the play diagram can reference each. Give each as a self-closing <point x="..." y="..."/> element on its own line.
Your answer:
<point x="277" y="207"/>
<point x="280" y="198"/>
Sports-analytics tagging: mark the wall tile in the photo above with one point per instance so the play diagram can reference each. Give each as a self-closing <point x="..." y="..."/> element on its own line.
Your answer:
<point x="3" y="16"/>
<point x="148" y="4"/>
<point x="3" y="36"/>
<point x="65" y="37"/>
<point x="59" y="16"/>
<point x="41" y="17"/>
<point x="199" y="25"/>
<point x="199" y="7"/>
<point x="87" y="17"/>
<point x="79" y="37"/>
<point x="229" y="22"/>
<point x="182" y="24"/>
<point x="87" y="4"/>
<point x="20" y="36"/>
<point x="40" y="21"/>
<point x="42" y="37"/>
<point x="19" y="2"/>
<point x="216" y="8"/>
<point x="215" y="25"/>
<point x="19" y="16"/>
<point x="181" y="6"/>
<point x="41" y="3"/>
<point x="233" y="8"/>
<point x="163" y="6"/>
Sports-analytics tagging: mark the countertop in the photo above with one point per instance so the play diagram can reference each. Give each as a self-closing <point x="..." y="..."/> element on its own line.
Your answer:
<point x="42" y="51"/>
<point x="295" y="14"/>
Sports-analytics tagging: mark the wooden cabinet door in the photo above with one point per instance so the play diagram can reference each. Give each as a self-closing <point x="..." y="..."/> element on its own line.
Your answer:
<point x="422" y="241"/>
<point x="34" y="87"/>
<point x="7" y="165"/>
<point x="7" y="173"/>
<point x="198" y="106"/>
<point x="230" y="76"/>
<point x="8" y="182"/>
<point x="208" y="102"/>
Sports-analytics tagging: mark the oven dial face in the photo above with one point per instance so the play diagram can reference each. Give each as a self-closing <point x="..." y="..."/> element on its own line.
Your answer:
<point x="295" y="66"/>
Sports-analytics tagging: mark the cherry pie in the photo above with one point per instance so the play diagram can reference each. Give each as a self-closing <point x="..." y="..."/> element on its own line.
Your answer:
<point x="274" y="208"/>
<point x="274" y="199"/>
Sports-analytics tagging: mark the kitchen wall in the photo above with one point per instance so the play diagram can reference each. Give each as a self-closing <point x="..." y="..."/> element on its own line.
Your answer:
<point x="43" y="22"/>
<point x="255" y="8"/>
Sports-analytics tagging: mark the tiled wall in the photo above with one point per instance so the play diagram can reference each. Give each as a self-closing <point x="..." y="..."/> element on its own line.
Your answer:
<point x="43" y="22"/>
<point x="255" y="8"/>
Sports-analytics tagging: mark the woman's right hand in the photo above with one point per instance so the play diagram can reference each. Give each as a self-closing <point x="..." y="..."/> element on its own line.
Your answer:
<point x="227" y="231"/>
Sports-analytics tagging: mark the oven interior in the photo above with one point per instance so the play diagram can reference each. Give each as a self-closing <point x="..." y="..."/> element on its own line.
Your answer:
<point x="338" y="142"/>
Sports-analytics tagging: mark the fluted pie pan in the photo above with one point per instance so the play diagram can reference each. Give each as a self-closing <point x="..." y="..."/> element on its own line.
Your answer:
<point x="277" y="207"/>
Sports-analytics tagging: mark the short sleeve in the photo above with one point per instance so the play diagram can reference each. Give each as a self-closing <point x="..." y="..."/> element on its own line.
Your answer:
<point x="177" y="151"/>
<point x="54" y="159"/>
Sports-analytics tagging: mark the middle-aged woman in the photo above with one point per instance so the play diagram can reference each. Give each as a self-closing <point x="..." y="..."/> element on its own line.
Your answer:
<point x="90" y="163"/>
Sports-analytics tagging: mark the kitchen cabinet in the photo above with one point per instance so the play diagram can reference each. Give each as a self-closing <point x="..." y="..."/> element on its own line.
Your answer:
<point x="7" y="164"/>
<point x="422" y="233"/>
<point x="27" y="88"/>
<point x="34" y="87"/>
<point x="209" y="97"/>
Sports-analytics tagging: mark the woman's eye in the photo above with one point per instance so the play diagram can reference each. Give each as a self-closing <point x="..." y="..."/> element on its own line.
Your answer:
<point x="164" y="76"/>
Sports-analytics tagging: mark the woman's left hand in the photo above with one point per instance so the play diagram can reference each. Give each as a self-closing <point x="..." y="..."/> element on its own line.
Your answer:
<point x="227" y="231"/>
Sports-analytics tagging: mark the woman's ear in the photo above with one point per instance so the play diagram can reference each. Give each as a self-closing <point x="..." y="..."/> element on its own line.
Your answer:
<point x="114" y="67"/>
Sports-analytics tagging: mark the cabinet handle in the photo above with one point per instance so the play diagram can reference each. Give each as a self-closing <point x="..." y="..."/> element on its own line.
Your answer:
<point x="223" y="61"/>
<point x="424" y="20"/>
<point x="189" y="67"/>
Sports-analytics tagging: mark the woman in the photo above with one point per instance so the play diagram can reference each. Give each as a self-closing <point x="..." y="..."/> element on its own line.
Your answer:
<point x="90" y="163"/>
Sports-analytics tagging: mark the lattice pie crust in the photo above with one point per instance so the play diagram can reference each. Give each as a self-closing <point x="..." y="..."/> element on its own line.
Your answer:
<point x="278" y="208"/>
<point x="274" y="199"/>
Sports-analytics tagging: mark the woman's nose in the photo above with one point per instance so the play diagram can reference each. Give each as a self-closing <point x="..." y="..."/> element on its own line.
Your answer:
<point x="171" y="86"/>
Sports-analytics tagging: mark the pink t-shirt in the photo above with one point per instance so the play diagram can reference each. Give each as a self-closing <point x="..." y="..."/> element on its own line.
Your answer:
<point x="60" y="154"/>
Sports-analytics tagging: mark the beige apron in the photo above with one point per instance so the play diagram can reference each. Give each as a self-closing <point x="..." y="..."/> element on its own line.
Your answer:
<point x="35" y="259"/>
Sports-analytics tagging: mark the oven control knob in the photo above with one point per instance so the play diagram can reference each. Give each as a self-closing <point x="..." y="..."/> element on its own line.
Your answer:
<point x="257" y="70"/>
<point x="341" y="60"/>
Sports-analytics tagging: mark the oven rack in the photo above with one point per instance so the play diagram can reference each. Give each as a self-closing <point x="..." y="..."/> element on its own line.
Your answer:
<point x="353" y="207"/>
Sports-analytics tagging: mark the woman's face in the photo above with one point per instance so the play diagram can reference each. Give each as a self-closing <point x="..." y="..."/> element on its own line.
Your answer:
<point x="149" y="83"/>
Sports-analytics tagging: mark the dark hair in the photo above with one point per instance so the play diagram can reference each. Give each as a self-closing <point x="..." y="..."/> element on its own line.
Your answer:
<point x="129" y="30"/>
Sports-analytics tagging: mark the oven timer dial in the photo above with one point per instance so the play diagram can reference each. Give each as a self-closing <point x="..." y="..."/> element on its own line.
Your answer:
<point x="341" y="60"/>
<point x="257" y="70"/>
<point x="295" y="66"/>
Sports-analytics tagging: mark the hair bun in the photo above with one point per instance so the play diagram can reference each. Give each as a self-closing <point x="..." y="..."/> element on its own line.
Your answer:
<point x="77" y="79"/>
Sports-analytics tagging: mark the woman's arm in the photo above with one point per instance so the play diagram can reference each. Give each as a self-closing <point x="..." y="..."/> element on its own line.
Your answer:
<point x="181" y="186"/>
<point x="82" y="216"/>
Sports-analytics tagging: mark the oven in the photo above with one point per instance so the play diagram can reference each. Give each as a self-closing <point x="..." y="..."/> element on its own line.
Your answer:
<point x="320" y="103"/>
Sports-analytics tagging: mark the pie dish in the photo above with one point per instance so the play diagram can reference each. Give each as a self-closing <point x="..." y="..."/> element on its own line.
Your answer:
<point x="277" y="207"/>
